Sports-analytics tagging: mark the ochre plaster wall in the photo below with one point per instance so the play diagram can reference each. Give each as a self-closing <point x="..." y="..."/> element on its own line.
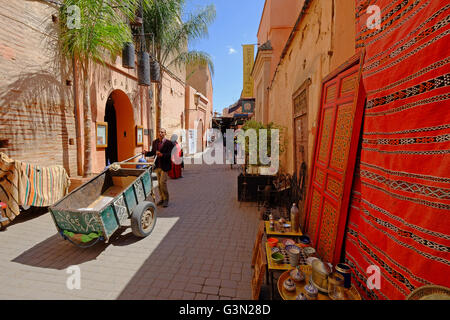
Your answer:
<point x="261" y="75"/>
<point x="196" y="109"/>
<point x="173" y="95"/>
<point x="306" y="58"/>
<point x="309" y="56"/>
<point x="343" y="45"/>
<point x="278" y="18"/>
<point x="200" y="79"/>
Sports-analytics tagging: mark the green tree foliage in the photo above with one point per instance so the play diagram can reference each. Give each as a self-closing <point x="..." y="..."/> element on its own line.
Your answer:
<point x="90" y="30"/>
<point x="170" y="36"/>
<point x="254" y="149"/>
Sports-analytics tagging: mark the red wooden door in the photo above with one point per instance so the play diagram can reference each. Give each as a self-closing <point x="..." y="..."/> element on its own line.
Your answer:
<point x="334" y="157"/>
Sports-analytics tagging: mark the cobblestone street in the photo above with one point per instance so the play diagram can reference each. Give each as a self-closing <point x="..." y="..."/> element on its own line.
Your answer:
<point x="200" y="249"/>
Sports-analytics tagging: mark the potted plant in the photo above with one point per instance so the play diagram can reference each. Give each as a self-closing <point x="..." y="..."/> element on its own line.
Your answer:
<point x="257" y="173"/>
<point x="252" y="151"/>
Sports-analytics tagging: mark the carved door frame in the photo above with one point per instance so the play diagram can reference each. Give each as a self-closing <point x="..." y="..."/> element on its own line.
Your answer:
<point x="295" y="116"/>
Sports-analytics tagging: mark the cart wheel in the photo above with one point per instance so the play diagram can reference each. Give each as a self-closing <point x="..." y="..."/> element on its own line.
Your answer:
<point x="143" y="219"/>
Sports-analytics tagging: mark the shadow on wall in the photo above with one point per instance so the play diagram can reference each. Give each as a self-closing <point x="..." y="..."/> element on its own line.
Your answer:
<point x="39" y="105"/>
<point x="36" y="99"/>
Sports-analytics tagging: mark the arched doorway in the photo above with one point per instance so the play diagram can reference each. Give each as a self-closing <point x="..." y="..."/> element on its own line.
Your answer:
<point x="111" y="155"/>
<point x="121" y="127"/>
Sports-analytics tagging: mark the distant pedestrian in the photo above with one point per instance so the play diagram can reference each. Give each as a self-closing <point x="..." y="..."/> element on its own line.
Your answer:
<point x="162" y="149"/>
<point x="177" y="159"/>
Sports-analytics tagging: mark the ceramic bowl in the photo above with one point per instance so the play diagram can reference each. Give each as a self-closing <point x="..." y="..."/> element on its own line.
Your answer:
<point x="301" y="296"/>
<point x="293" y="247"/>
<point x="311" y="292"/>
<point x="287" y="242"/>
<point x="305" y="240"/>
<point x="309" y="251"/>
<point x="289" y="285"/>
<point x="310" y="260"/>
<point x="297" y="275"/>
<point x="272" y="242"/>
<point x="277" y="257"/>
<point x="275" y="249"/>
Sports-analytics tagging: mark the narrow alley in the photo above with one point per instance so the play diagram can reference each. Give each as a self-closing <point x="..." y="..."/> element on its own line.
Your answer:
<point x="200" y="249"/>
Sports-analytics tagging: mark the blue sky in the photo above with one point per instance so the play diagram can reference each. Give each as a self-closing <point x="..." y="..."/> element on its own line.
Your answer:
<point x="236" y="23"/>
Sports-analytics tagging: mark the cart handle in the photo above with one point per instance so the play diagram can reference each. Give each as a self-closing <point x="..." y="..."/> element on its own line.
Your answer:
<point x="116" y="165"/>
<point x="134" y="157"/>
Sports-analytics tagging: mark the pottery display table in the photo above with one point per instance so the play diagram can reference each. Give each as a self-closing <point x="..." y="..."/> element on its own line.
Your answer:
<point x="273" y="266"/>
<point x="277" y="231"/>
<point x="350" y="294"/>
<point x="299" y="286"/>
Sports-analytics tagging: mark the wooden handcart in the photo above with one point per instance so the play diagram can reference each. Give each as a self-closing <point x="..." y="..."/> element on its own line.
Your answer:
<point x="95" y="210"/>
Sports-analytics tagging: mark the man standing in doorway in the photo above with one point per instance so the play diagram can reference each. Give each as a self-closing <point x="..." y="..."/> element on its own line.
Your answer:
<point x="162" y="148"/>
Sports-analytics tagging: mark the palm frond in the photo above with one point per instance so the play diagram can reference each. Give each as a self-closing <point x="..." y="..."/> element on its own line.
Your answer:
<point x="171" y="35"/>
<point x="196" y="27"/>
<point x="194" y="58"/>
<point x="102" y="29"/>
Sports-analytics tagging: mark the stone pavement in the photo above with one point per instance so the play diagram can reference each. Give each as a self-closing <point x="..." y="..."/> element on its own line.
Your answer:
<point x="200" y="249"/>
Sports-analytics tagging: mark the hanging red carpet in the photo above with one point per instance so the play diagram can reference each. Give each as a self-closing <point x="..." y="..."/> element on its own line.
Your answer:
<point x="399" y="217"/>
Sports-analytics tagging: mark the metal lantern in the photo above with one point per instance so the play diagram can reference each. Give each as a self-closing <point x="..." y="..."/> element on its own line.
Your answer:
<point x="155" y="71"/>
<point x="143" y="69"/>
<point x="128" y="56"/>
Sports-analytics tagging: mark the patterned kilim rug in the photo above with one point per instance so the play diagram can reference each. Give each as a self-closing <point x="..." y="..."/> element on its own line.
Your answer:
<point x="400" y="208"/>
<point x="25" y="184"/>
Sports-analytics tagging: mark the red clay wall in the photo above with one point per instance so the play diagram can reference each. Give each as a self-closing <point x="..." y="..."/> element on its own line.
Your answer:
<point x="36" y="107"/>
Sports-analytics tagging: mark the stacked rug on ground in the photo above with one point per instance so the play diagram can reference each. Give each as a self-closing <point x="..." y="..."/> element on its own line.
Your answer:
<point x="23" y="184"/>
<point x="400" y="207"/>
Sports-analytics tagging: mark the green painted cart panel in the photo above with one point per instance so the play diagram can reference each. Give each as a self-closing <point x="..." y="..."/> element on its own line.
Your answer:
<point x="70" y="213"/>
<point x="121" y="210"/>
<point x="139" y="190"/>
<point x="83" y="222"/>
<point x="147" y="183"/>
<point x="109" y="221"/>
<point x="130" y="198"/>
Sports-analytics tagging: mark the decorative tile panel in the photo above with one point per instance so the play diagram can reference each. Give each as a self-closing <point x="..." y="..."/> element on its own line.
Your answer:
<point x="139" y="189"/>
<point x="121" y="210"/>
<point x="334" y="187"/>
<point x="315" y="214"/>
<point x="342" y="137"/>
<point x="328" y="229"/>
<point x="325" y="139"/>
